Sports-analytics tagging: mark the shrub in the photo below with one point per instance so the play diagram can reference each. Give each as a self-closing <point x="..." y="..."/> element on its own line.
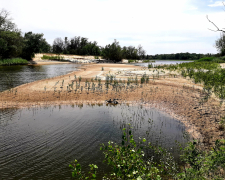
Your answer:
<point x="131" y="61"/>
<point x="15" y="61"/>
<point x="206" y="59"/>
<point x="58" y="58"/>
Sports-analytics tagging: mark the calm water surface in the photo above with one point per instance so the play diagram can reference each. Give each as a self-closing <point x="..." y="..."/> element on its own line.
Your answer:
<point x="12" y="76"/>
<point x="39" y="143"/>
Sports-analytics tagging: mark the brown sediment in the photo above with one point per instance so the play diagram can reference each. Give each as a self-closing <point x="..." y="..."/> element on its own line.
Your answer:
<point x="172" y="94"/>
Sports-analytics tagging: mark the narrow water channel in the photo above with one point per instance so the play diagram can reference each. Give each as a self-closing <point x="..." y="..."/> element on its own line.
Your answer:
<point x="12" y="76"/>
<point x="39" y="143"/>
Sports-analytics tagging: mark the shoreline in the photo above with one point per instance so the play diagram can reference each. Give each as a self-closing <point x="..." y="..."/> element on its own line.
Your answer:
<point x="175" y="96"/>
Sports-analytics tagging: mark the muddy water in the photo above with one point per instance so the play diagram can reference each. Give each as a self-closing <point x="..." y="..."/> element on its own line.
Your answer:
<point x="39" y="143"/>
<point x="12" y="76"/>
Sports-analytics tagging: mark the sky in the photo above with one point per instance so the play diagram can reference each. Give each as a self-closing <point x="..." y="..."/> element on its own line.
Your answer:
<point x="161" y="27"/>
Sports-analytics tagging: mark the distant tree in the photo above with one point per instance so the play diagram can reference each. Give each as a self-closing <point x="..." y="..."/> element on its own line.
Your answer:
<point x="11" y="44"/>
<point x="58" y="46"/>
<point x="34" y="43"/>
<point x="113" y="51"/>
<point x="220" y="44"/>
<point x="6" y="23"/>
<point x="141" y="52"/>
<point x="66" y="46"/>
<point x="132" y="53"/>
<point x="11" y="40"/>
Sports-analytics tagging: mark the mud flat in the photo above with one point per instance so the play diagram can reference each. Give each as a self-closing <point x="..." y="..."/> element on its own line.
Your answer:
<point x="165" y="90"/>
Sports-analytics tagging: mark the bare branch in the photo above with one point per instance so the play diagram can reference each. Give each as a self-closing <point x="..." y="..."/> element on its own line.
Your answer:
<point x="212" y="30"/>
<point x="214" y="25"/>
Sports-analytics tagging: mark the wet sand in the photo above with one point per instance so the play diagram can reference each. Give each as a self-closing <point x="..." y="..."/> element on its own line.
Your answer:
<point x="171" y="93"/>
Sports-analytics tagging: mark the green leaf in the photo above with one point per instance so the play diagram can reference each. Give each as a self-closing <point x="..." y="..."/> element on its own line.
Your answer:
<point x="139" y="178"/>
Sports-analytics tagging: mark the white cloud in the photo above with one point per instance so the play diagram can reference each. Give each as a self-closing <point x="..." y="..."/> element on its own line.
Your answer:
<point x="131" y="22"/>
<point x="216" y="4"/>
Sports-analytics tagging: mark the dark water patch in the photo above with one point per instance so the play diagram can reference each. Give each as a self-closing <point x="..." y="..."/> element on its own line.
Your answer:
<point x="39" y="143"/>
<point x="12" y="76"/>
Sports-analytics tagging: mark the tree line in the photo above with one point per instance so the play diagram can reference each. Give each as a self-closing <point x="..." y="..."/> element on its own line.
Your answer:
<point x="81" y="46"/>
<point x="179" y="56"/>
<point x="14" y="43"/>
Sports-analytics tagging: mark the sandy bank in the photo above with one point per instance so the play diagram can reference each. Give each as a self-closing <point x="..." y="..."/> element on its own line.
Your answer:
<point x="165" y="90"/>
<point x="45" y="62"/>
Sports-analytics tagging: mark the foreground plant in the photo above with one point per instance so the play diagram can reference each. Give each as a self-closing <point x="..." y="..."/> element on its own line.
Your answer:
<point x="128" y="161"/>
<point x="200" y="164"/>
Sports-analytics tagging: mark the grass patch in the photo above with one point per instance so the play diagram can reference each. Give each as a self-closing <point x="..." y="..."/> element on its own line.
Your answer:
<point x="148" y="61"/>
<point x="57" y="58"/>
<point x="212" y="59"/>
<point x="206" y="59"/>
<point x="15" y="61"/>
<point x="131" y="61"/>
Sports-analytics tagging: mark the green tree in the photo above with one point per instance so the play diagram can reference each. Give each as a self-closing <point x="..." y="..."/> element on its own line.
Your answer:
<point x="58" y="46"/>
<point x="11" y="44"/>
<point x="113" y="51"/>
<point x="11" y="41"/>
<point x="141" y="52"/>
<point x="220" y="44"/>
<point x="6" y="23"/>
<point x="34" y="43"/>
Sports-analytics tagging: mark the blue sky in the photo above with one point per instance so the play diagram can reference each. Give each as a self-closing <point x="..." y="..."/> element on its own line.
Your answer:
<point x="159" y="26"/>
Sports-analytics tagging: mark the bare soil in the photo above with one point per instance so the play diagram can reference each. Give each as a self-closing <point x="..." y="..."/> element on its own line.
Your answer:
<point x="179" y="97"/>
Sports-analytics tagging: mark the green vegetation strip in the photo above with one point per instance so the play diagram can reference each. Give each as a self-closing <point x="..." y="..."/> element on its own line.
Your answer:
<point x="16" y="61"/>
<point x="206" y="71"/>
<point x="57" y="58"/>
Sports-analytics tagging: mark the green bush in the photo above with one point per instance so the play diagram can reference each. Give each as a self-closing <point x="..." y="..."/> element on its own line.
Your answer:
<point x="131" y="61"/>
<point x="15" y="61"/>
<point x="206" y="59"/>
<point x="58" y="58"/>
<point x="150" y="65"/>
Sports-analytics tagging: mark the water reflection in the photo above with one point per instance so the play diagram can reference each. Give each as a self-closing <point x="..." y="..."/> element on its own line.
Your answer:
<point x="40" y="142"/>
<point x="12" y="76"/>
